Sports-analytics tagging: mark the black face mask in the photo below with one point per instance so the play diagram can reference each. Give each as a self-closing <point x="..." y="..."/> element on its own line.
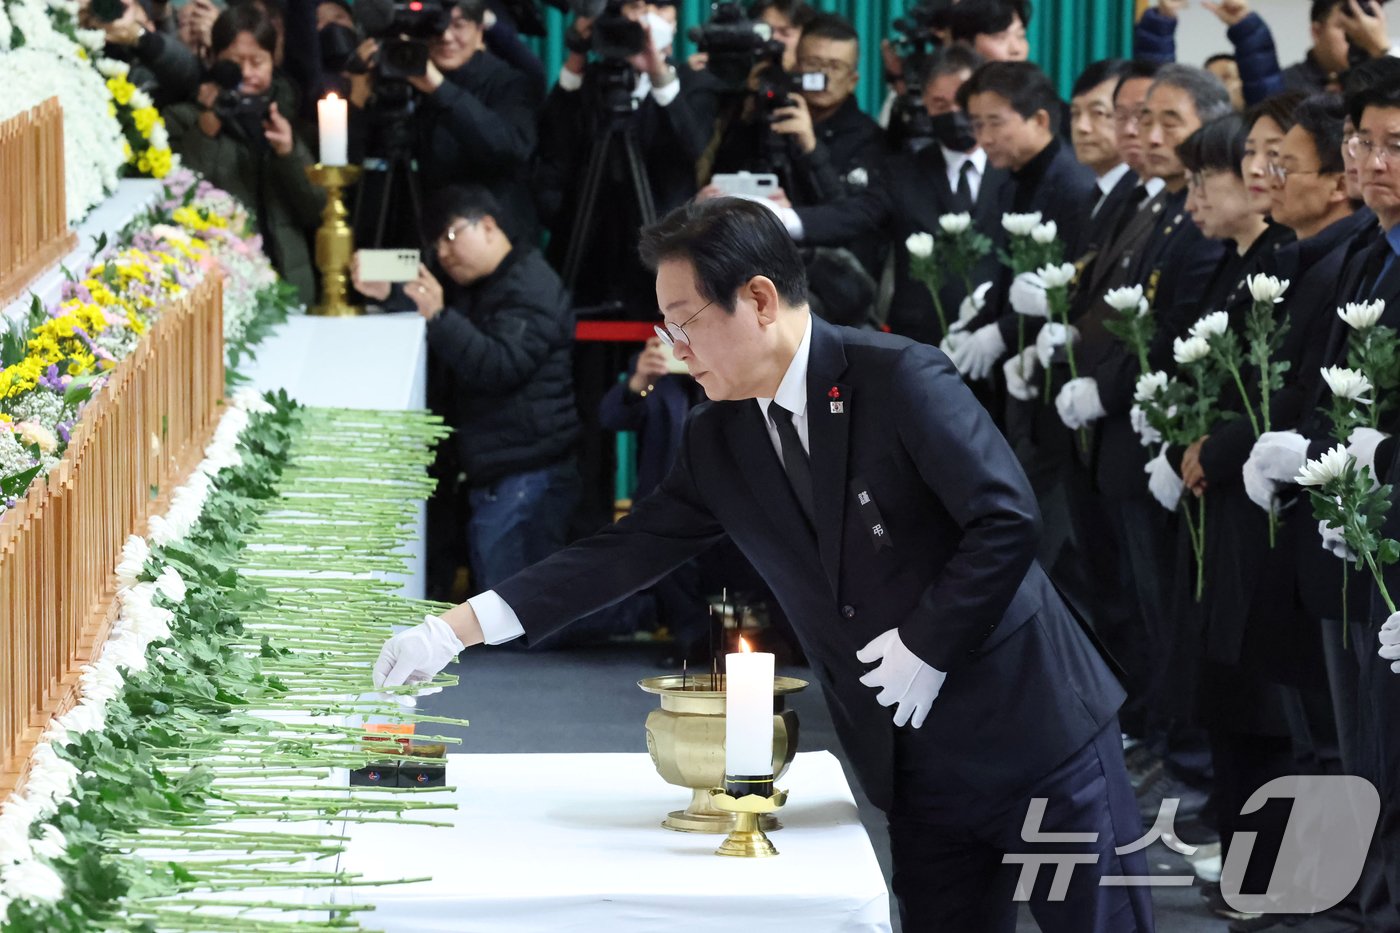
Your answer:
<point x="953" y="130"/>
<point x="338" y="45"/>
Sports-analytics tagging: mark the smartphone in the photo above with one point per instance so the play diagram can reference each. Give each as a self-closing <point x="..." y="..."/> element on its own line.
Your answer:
<point x="388" y="265"/>
<point x="759" y="185"/>
<point x="675" y="366"/>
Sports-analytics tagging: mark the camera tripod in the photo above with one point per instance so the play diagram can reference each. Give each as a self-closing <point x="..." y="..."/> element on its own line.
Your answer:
<point x="398" y="176"/>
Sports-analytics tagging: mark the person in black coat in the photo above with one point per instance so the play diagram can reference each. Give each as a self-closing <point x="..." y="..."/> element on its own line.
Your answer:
<point x="501" y="328"/>
<point x="875" y="496"/>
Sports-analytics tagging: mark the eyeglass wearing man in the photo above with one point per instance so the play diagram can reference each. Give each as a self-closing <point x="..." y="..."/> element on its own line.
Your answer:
<point x="501" y="329"/>
<point x="898" y="533"/>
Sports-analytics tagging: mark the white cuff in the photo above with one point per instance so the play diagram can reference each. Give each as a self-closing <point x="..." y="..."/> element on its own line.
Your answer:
<point x="498" y="621"/>
<point x="667" y="93"/>
<point x="568" y="81"/>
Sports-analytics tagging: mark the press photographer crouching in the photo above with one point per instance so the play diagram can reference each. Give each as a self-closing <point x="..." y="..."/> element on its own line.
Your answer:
<point x="500" y="327"/>
<point x="442" y="112"/>
<point x="239" y="135"/>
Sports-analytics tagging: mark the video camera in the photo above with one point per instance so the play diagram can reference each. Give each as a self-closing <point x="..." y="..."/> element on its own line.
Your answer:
<point x="403" y="28"/>
<point x="910" y="124"/>
<point x="735" y="44"/>
<point x="247" y="112"/>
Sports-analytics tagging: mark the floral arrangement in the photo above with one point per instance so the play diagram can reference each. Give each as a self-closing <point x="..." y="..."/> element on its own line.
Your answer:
<point x="109" y="125"/>
<point x="58" y="357"/>
<point x="196" y="709"/>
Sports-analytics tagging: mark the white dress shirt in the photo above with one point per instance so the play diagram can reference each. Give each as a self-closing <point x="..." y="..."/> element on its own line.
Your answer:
<point x="498" y="621"/>
<point x="1107" y="182"/>
<point x="954" y="161"/>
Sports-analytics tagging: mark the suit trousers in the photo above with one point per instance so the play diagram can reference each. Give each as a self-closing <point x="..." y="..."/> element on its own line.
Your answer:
<point x="949" y="872"/>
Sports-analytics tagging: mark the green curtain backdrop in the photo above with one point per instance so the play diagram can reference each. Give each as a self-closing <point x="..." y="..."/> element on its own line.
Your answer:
<point x="1065" y="35"/>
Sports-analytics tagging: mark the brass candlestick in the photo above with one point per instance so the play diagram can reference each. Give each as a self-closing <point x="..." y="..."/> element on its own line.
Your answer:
<point x="686" y="740"/>
<point x="335" y="241"/>
<point x="749" y="802"/>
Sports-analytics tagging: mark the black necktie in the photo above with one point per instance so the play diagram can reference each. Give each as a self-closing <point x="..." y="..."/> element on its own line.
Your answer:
<point x="962" y="197"/>
<point x="795" y="462"/>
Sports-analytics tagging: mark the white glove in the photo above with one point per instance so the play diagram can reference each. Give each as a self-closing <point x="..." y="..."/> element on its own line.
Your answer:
<point x="1027" y="295"/>
<point x="953" y="340"/>
<point x="972" y="306"/>
<point x="904" y="679"/>
<point x="1143" y="428"/>
<point x="1362" y="446"/>
<point x="1050" y="339"/>
<point x="1019" y="370"/>
<point x="1335" y="543"/>
<point x="1280" y="455"/>
<point x="1163" y="482"/>
<point x="975" y="356"/>
<point x="1390" y="641"/>
<point x="416" y="655"/>
<point x="1078" y="403"/>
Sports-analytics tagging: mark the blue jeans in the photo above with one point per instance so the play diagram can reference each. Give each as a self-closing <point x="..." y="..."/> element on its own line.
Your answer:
<point x="519" y="520"/>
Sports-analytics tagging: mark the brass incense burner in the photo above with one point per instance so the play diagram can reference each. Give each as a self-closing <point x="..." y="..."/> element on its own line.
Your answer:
<point x="686" y="740"/>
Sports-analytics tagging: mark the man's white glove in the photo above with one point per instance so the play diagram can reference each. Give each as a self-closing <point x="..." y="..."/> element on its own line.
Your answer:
<point x="1163" y="482"/>
<point x="1078" y="403"/>
<point x="902" y="677"/>
<point x="1334" y="542"/>
<point x="417" y="655"/>
<point x="1018" y="370"/>
<point x="1051" y="338"/>
<point x="1390" y="641"/>
<point x="953" y="340"/>
<point x="1275" y="459"/>
<point x="972" y="306"/>
<point x="1027" y="295"/>
<point x="1143" y="428"/>
<point x="975" y="356"/>
<point x="1362" y="446"/>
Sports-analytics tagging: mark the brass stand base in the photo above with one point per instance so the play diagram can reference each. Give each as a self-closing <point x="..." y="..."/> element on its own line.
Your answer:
<point x="700" y="817"/>
<point x="747" y="839"/>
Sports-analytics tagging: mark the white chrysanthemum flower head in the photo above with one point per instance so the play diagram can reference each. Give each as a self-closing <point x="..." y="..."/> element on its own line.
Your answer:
<point x="1362" y="315"/>
<point x="1211" y="325"/>
<point x="1325" y="469"/>
<point x="1347" y="383"/>
<point x="920" y="245"/>
<point x="953" y="224"/>
<point x="1266" y="288"/>
<point x="1190" y="350"/>
<point x="1020" y="224"/>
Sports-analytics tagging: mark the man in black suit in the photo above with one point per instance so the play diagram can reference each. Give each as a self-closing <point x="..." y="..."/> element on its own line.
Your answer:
<point x="949" y="175"/>
<point x="875" y="496"/>
<point x="1095" y="140"/>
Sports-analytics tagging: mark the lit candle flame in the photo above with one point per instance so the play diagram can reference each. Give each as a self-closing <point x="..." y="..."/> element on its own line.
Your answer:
<point x="744" y="646"/>
<point x="332" y="96"/>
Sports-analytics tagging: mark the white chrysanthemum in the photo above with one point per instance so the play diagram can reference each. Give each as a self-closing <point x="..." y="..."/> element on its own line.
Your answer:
<point x="111" y="68"/>
<point x="1362" y="315"/>
<point x="920" y="245"/>
<point x="1020" y="224"/>
<point x="251" y="401"/>
<point x="1128" y="298"/>
<point x="1267" y="288"/>
<point x="1190" y="350"/>
<point x="1054" y="276"/>
<point x="1347" y="383"/>
<point x="169" y="585"/>
<point x="953" y="224"/>
<point x="32" y="881"/>
<point x="1212" y="325"/>
<point x="1330" y="466"/>
<point x="135" y="553"/>
<point x="1045" y="233"/>
<point x="50" y="844"/>
<point x="1149" y="386"/>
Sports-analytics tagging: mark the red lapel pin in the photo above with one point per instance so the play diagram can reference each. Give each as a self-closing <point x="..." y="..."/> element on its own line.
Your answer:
<point x="837" y="406"/>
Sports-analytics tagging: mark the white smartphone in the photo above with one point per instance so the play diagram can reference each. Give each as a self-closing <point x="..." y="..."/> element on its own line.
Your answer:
<point x="674" y="365"/>
<point x="388" y="265"/>
<point x="760" y="184"/>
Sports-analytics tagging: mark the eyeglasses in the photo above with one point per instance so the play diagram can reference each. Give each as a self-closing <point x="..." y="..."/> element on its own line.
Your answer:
<point x="1361" y="147"/>
<point x="672" y="334"/>
<point x="1281" y="173"/>
<point x="826" y="66"/>
<point x="1124" y="117"/>
<point x="453" y="232"/>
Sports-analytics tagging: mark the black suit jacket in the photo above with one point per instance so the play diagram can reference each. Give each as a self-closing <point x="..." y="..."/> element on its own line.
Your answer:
<point x="951" y="564"/>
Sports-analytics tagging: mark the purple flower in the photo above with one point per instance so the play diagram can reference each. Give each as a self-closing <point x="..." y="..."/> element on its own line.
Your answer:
<point x="65" y="429"/>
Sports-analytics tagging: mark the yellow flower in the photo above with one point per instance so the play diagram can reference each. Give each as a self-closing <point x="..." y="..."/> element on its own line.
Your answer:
<point x="81" y="363"/>
<point x="6" y="419"/>
<point x="160" y="160"/>
<point x="134" y="321"/>
<point x="82" y="52"/>
<point x="111" y="109"/>
<point x="127" y="155"/>
<point x="145" y="119"/>
<point x="121" y="90"/>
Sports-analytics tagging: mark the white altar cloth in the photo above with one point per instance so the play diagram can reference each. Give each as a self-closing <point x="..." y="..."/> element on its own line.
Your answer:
<point x="574" y="844"/>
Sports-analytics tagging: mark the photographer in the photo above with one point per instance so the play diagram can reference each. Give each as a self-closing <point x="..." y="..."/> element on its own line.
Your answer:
<point x="240" y="137"/>
<point x="161" y="65"/>
<point x="629" y="96"/>
<point x="499" y="324"/>
<point x="473" y="120"/>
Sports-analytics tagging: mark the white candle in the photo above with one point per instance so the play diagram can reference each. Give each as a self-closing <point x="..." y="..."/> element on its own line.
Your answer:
<point x="332" y="119"/>
<point x="748" y="712"/>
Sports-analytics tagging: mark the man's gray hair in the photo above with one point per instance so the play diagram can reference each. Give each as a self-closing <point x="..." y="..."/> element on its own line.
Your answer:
<point x="1206" y="91"/>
